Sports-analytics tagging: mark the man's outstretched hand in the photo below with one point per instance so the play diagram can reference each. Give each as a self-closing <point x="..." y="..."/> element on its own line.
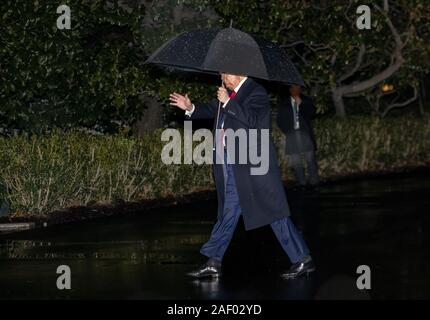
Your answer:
<point x="180" y="101"/>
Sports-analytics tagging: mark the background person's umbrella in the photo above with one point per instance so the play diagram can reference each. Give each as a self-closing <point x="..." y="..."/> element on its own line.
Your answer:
<point x="229" y="50"/>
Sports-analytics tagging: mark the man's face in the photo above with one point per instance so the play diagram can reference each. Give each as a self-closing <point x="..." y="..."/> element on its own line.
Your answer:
<point x="295" y="90"/>
<point x="231" y="80"/>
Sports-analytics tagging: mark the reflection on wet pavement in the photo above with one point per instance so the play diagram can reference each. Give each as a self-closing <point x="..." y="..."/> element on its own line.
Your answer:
<point x="383" y="223"/>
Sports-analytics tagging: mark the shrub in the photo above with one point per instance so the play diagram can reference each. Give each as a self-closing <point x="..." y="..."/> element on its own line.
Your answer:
<point x="43" y="173"/>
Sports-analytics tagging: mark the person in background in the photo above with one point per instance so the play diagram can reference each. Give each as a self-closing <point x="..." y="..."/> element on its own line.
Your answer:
<point x="295" y="114"/>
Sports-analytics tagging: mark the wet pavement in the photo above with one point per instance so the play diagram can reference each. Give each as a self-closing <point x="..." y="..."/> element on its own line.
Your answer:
<point x="383" y="223"/>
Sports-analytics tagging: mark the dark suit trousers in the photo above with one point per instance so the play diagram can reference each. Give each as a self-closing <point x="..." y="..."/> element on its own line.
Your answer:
<point x="297" y="163"/>
<point x="289" y="237"/>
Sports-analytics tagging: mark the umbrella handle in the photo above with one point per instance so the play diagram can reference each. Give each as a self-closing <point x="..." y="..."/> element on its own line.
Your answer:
<point x="219" y="108"/>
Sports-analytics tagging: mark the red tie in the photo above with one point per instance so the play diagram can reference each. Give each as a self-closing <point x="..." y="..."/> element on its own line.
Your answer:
<point x="232" y="95"/>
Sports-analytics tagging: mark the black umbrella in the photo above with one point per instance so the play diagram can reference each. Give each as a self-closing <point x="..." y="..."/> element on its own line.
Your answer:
<point x="228" y="50"/>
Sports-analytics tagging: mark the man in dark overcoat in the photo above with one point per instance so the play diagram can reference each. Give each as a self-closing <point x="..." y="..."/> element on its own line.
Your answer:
<point x="259" y="196"/>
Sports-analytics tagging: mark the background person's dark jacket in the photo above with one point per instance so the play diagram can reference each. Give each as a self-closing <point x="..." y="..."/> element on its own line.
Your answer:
<point x="307" y="112"/>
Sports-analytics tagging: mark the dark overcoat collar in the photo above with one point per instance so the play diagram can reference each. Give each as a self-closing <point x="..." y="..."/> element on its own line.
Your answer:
<point x="245" y="89"/>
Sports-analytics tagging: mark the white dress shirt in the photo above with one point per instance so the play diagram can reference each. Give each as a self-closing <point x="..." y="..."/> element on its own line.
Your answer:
<point x="295" y="120"/>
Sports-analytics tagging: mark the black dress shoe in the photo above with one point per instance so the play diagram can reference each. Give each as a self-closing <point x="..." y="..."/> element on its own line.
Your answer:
<point x="211" y="269"/>
<point x="300" y="268"/>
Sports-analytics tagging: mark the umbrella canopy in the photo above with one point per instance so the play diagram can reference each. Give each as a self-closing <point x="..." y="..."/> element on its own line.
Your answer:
<point x="228" y="50"/>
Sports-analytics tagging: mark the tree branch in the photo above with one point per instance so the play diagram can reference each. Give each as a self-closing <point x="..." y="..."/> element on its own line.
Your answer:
<point x="293" y="44"/>
<point x="358" y="63"/>
<point x="396" y="62"/>
<point x="402" y="104"/>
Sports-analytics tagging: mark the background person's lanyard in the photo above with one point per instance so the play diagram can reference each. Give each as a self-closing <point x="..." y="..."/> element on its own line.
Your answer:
<point x="296" y="116"/>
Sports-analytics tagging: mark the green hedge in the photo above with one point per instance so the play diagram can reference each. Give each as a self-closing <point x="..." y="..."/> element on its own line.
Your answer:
<point x="40" y="174"/>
